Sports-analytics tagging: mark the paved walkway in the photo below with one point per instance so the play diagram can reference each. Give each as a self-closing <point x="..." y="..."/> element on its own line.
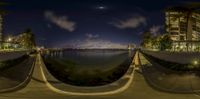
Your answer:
<point x="138" y="89"/>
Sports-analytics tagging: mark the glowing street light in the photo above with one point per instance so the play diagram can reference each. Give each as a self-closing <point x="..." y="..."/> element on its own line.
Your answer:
<point x="195" y="62"/>
<point x="9" y="39"/>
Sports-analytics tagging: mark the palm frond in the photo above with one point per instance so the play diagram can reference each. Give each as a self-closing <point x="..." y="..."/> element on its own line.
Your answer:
<point x="3" y="3"/>
<point x="192" y="5"/>
<point x="3" y="12"/>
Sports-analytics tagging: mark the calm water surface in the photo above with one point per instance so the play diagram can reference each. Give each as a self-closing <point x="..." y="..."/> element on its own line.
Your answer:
<point x="85" y="65"/>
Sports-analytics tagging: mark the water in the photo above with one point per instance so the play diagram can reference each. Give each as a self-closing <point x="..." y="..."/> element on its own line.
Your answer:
<point x="85" y="67"/>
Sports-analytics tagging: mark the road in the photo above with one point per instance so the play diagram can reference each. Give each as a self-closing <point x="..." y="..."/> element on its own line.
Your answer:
<point x="138" y="89"/>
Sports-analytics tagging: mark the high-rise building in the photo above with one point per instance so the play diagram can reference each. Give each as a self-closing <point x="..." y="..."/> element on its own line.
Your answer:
<point x="1" y="30"/>
<point x="183" y="26"/>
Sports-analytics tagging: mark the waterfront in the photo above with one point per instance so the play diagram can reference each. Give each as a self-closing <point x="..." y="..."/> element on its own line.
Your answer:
<point x="88" y="67"/>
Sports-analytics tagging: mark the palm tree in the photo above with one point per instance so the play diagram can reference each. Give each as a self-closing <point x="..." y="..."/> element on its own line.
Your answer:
<point x="165" y="42"/>
<point x="3" y="3"/>
<point x="156" y="42"/>
<point x="147" y="40"/>
<point x="3" y="12"/>
<point x="27" y="39"/>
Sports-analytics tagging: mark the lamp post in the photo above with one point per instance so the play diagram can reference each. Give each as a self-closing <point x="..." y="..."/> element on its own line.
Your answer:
<point x="9" y="41"/>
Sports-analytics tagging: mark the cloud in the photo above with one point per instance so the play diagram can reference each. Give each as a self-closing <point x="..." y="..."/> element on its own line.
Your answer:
<point x="133" y="22"/>
<point x="92" y="36"/>
<point x="61" y="21"/>
<point x="156" y="29"/>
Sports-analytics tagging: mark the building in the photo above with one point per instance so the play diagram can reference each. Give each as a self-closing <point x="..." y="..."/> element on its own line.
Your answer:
<point x="183" y="26"/>
<point x="1" y="30"/>
<point x="131" y="46"/>
<point x="2" y="14"/>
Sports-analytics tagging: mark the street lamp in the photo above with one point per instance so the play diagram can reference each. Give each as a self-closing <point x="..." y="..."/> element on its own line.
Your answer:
<point x="9" y="42"/>
<point x="195" y="62"/>
<point x="9" y="39"/>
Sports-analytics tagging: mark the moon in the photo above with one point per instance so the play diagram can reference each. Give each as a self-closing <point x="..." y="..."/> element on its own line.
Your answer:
<point x="101" y="7"/>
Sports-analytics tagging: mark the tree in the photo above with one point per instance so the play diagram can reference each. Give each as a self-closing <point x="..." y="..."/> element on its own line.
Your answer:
<point x="147" y="40"/>
<point x="3" y="3"/>
<point x="165" y="42"/>
<point x="3" y="12"/>
<point x="27" y="39"/>
<point x="156" y="42"/>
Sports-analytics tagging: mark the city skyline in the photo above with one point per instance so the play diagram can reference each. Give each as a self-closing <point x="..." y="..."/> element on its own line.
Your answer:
<point x="90" y="22"/>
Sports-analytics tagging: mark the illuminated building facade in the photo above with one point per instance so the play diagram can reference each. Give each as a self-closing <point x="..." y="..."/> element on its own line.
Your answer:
<point x="183" y="26"/>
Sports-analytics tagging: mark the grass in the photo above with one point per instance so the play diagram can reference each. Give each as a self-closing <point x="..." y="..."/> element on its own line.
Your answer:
<point x="9" y="63"/>
<point x="173" y="65"/>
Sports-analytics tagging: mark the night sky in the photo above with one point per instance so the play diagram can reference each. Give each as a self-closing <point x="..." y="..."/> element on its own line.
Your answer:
<point x="87" y="23"/>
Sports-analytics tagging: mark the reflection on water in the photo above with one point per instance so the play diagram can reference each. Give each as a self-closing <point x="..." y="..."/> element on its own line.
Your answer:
<point x="81" y="67"/>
